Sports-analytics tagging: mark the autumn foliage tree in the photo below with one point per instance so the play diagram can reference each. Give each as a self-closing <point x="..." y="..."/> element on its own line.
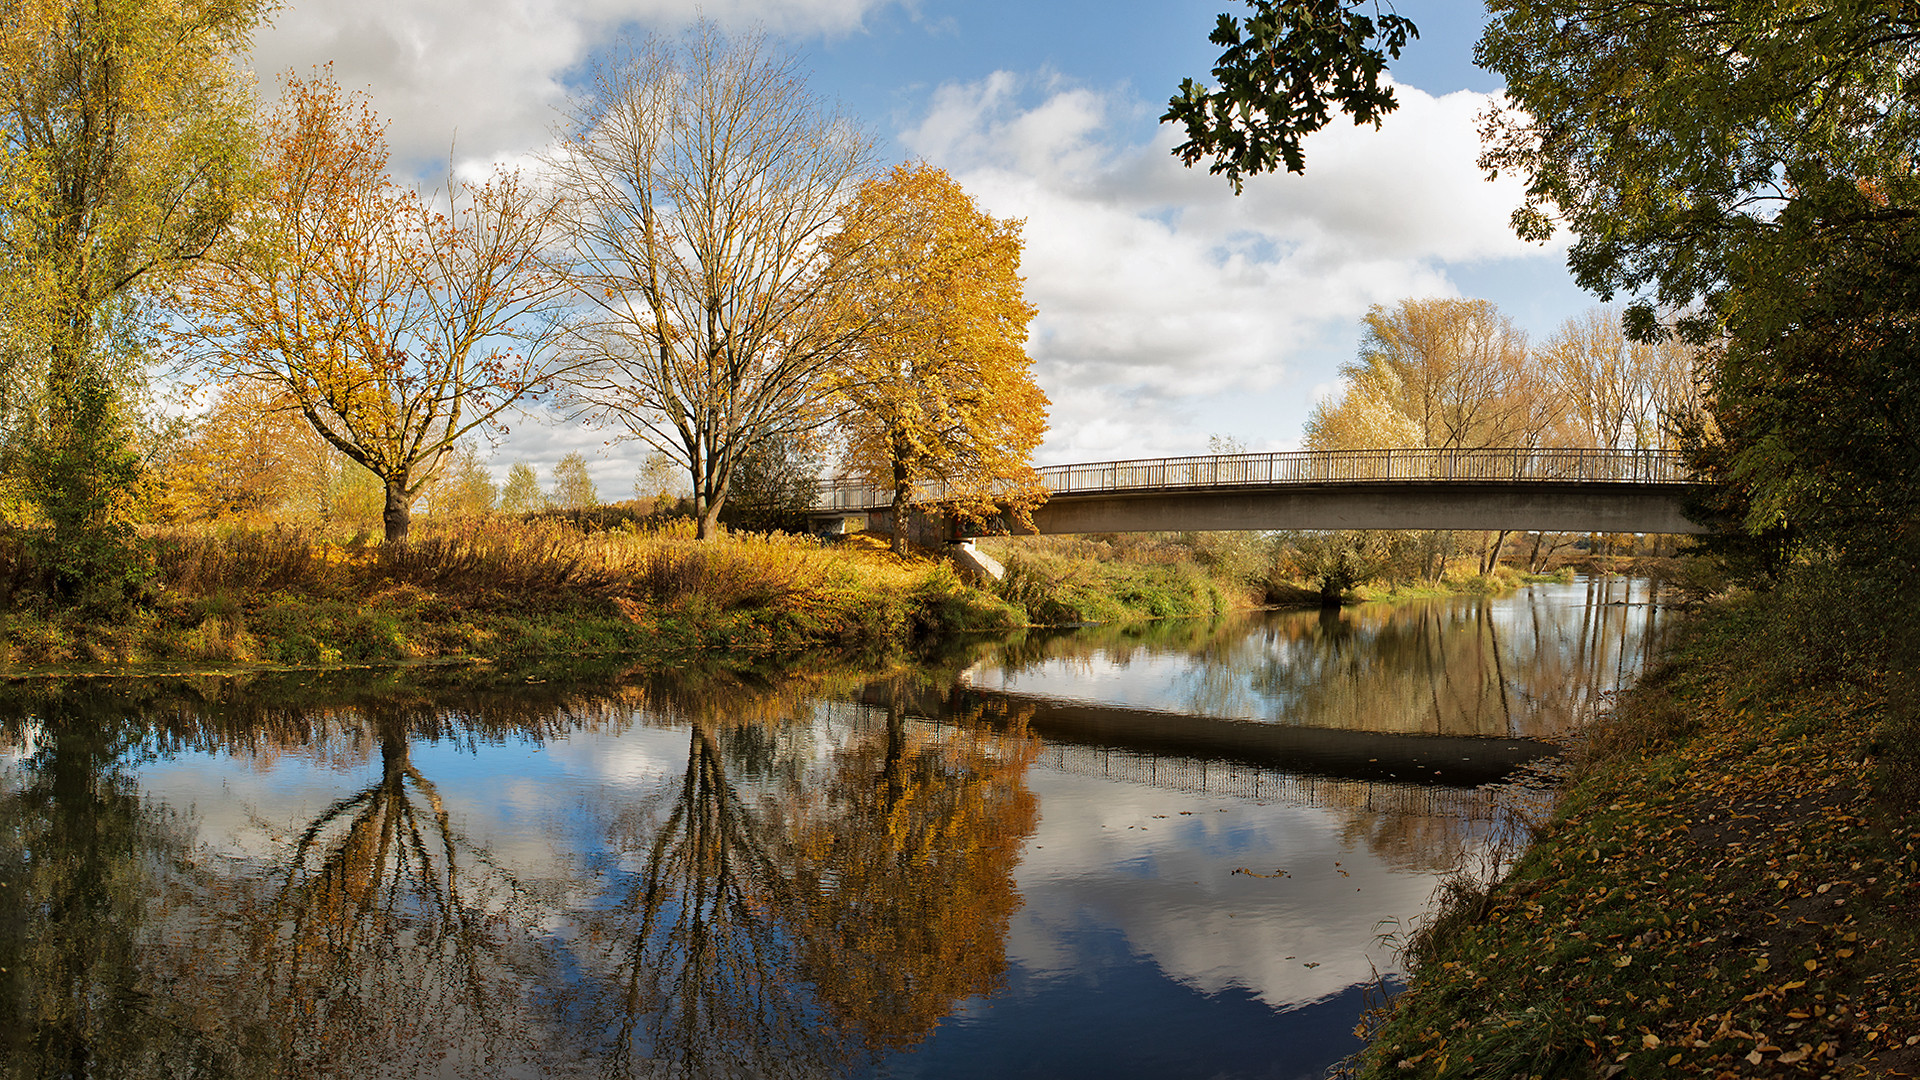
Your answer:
<point x="941" y="402"/>
<point x="521" y="494"/>
<point x="397" y="328"/>
<point x="249" y="456"/>
<point x="1437" y="372"/>
<point x="905" y="864"/>
<point x="1612" y="391"/>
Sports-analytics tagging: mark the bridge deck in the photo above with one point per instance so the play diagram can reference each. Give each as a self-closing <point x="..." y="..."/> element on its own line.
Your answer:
<point x="1557" y="489"/>
<point x="1318" y="467"/>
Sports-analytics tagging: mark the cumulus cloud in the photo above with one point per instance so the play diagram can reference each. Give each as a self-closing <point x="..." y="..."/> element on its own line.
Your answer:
<point x="1169" y="307"/>
<point x="481" y="79"/>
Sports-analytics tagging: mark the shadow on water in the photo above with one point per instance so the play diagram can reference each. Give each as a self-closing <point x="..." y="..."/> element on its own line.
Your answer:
<point x="713" y="874"/>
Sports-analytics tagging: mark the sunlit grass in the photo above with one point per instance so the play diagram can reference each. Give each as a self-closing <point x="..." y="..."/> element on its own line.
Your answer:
<point x="503" y="588"/>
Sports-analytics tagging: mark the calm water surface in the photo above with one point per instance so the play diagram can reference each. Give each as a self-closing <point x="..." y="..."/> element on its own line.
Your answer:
<point x="1166" y="851"/>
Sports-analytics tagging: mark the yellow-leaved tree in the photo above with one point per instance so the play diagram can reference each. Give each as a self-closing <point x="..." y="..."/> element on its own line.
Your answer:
<point x="1434" y="373"/>
<point x="941" y="403"/>
<point x="397" y="328"/>
<point x="1437" y="372"/>
<point x="250" y="457"/>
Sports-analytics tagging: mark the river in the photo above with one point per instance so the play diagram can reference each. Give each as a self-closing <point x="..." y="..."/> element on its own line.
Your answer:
<point x="1179" y="849"/>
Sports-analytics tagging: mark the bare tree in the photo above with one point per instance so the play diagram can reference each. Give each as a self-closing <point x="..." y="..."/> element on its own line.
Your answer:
<point x="1618" y="393"/>
<point x="699" y="180"/>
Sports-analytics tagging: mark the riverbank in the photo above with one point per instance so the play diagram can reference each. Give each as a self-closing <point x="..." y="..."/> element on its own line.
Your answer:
<point x="501" y="592"/>
<point x="1077" y="580"/>
<point x="1729" y="886"/>
<point x="514" y="592"/>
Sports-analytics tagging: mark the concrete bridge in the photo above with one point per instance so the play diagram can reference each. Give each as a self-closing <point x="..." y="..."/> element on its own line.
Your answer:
<point x="1550" y="490"/>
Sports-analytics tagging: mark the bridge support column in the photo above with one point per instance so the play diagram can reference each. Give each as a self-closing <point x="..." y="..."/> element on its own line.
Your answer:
<point x="974" y="564"/>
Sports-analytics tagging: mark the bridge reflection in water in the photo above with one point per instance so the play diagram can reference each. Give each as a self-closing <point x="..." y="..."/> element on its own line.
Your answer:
<point x="1417" y="709"/>
<point x="1201" y="776"/>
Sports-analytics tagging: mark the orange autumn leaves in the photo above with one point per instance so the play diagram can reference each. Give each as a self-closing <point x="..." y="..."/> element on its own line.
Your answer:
<point x="394" y="327"/>
<point x="941" y="402"/>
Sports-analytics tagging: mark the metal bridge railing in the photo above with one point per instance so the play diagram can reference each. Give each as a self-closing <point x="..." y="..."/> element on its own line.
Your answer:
<point x="1414" y="465"/>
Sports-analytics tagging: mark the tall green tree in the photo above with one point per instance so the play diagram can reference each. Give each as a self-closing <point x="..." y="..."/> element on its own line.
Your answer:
<point x="774" y="486"/>
<point x="573" y="487"/>
<point x="1763" y="185"/>
<point x="521" y="493"/>
<point x="124" y="133"/>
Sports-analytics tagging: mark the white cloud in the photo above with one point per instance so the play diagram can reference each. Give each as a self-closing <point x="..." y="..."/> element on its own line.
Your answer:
<point x="1168" y="308"/>
<point x="481" y="79"/>
<point x="1167" y="304"/>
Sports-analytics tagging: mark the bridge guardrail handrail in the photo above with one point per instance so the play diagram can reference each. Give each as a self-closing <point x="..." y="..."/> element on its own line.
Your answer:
<point x="1413" y="465"/>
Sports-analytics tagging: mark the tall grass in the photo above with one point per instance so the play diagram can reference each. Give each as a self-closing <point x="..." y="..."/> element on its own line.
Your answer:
<point x="503" y="588"/>
<point x="1059" y="581"/>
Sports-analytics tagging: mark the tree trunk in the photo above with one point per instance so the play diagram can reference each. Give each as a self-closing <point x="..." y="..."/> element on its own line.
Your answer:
<point x="397" y="515"/>
<point x="902" y="505"/>
<point x="902" y="488"/>
<point x="709" y="495"/>
<point x="1499" y="548"/>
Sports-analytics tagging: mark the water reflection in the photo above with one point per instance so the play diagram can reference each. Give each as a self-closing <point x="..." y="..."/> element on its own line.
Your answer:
<point x="713" y="875"/>
<point x="80" y="873"/>
<point x="1529" y="665"/>
<point x="816" y="887"/>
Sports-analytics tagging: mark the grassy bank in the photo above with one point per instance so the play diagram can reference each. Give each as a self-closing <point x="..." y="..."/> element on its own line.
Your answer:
<point x="1065" y="581"/>
<point x="495" y="590"/>
<point x="1730" y="885"/>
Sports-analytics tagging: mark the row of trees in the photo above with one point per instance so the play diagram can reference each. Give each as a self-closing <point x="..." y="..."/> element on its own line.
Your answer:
<point x="252" y="460"/>
<point x="1457" y="374"/>
<point x="706" y="263"/>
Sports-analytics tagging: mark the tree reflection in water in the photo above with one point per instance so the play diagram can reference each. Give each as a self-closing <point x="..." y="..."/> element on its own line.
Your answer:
<point x="783" y="923"/>
<point x="906" y="859"/>
<point x="705" y="981"/>
<point x="82" y="866"/>
<point x="386" y="946"/>
<point x="374" y="943"/>
<point x="1442" y="667"/>
<point x="818" y="887"/>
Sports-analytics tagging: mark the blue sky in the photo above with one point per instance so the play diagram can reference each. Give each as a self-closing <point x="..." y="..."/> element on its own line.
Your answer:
<point x="1170" y="310"/>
